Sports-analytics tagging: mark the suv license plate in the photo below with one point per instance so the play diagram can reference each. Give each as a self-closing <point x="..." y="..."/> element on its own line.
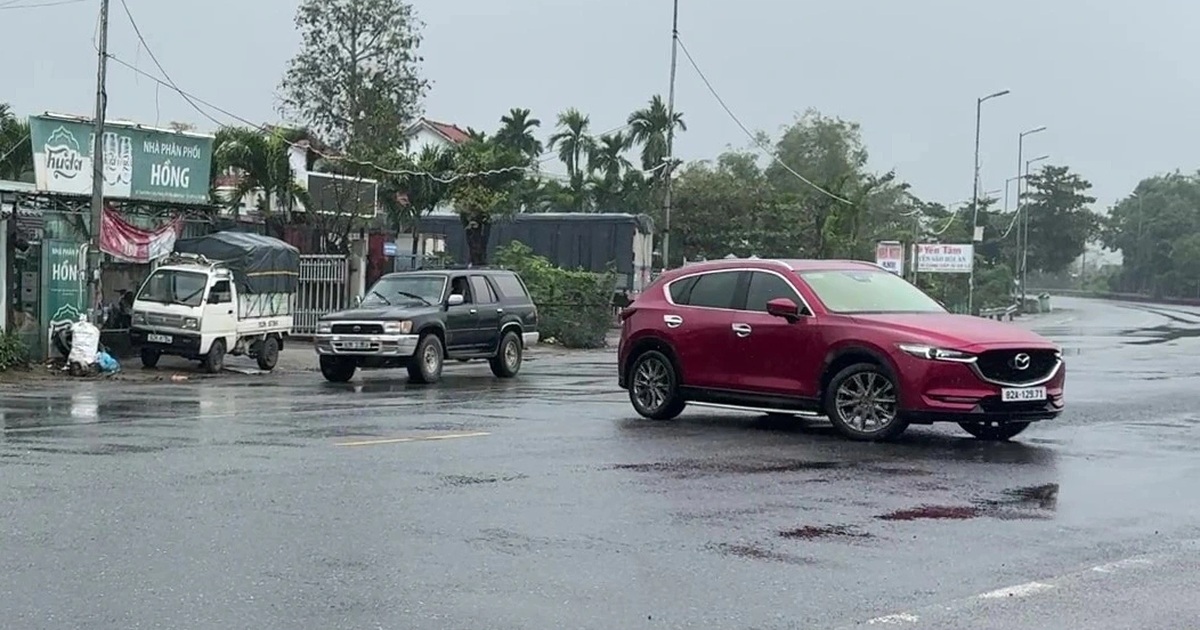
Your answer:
<point x="153" y="338"/>
<point x="1022" y="394"/>
<point x="355" y="345"/>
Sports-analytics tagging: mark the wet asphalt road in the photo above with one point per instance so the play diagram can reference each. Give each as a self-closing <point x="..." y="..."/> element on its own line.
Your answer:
<point x="284" y="502"/>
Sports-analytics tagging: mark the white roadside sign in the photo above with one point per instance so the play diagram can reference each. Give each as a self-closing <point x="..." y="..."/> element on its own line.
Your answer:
<point x="940" y="258"/>
<point x="890" y="256"/>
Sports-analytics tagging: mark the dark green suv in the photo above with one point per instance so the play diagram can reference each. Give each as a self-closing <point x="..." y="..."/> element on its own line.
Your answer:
<point x="419" y="319"/>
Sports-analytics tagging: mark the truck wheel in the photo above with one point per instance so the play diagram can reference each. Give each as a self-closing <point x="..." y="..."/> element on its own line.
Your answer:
<point x="425" y="366"/>
<point x="268" y="354"/>
<point x="337" y="369"/>
<point x="507" y="361"/>
<point x="150" y="358"/>
<point x="215" y="361"/>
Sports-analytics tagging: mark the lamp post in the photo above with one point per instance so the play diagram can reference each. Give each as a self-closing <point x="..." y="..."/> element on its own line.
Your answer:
<point x="1020" y="236"/>
<point x="975" y="191"/>
<point x="1025" y="229"/>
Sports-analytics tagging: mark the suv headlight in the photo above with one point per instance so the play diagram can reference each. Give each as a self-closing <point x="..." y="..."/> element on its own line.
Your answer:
<point x="191" y="323"/>
<point x="397" y="328"/>
<point x="324" y="327"/>
<point x="933" y="353"/>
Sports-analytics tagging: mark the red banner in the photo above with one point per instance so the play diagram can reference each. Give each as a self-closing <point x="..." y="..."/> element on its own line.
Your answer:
<point x="134" y="244"/>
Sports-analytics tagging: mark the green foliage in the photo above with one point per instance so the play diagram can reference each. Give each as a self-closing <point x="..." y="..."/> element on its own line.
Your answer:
<point x="1060" y="222"/>
<point x="1155" y="230"/>
<point x="574" y="307"/>
<point x="16" y="151"/>
<point x="355" y="80"/>
<point x="13" y="353"/>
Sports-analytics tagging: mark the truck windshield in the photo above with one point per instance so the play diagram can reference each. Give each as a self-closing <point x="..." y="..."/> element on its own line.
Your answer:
<point x="171" y="286"/>
<point x="394" y="290"/>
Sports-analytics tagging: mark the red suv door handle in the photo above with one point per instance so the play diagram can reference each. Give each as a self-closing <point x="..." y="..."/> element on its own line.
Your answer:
<point x="742" y="330"/>
<point x="672" y="321"/>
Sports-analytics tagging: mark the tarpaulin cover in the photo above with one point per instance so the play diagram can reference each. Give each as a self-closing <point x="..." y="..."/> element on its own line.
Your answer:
<point x="260" y="264"/>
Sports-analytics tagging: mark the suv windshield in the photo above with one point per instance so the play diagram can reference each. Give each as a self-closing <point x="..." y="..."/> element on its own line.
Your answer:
<point x="407" y="290"/>
<point x="171" y="286"/>
<point x="867" y="291"/>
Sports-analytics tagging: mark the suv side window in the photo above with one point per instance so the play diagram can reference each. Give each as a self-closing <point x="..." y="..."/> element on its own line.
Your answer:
<point x="482" y="290"/>
<point x="459" y="285"/>
<point x="715" y="290"/>
<point x="510" y="285"/>
<point x="681" y="290"/>
<point x="765" y="287"/>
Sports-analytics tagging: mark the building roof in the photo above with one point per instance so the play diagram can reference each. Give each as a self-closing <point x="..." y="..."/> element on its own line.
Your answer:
<point x="452" y="133"/>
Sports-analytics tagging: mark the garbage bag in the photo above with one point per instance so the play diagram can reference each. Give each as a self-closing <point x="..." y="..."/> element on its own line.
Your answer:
<point x="108" y="364"/>
<point x="85" y="342"/>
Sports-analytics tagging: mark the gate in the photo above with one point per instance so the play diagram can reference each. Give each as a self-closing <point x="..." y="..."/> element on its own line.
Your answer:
<point x="323" y="288"/>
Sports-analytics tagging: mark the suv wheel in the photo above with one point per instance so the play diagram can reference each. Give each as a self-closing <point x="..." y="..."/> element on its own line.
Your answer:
<point x="337" y="369"/>
<point x="507" y="361"/>
<point x="862" y="402"/>
<point x="994" y="431"/>
<point x="425" y="366"/>
<point x="654" y="387"/>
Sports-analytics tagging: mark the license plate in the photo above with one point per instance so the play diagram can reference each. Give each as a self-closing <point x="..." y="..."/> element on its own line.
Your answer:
<point x="1022" y="394"/>
<point x="355" y="345"/>
<point x="153" y="338"/>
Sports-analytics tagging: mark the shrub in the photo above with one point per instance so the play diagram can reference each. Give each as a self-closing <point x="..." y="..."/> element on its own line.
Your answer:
<point x="13" y="353"/>
<point x="574" y="306"/>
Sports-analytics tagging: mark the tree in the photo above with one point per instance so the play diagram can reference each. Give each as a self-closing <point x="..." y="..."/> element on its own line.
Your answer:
<point x="649" y="128"/>
<point x="1060" y="221"/>
<point x="516" y="132"/>
<point x="1150" y="228"/>
<point x="355" y="80"/>
<point x="16" y="150"/>
<point x="415" y="196"/>
<point x="609" y="165"/>
<point x="574" y="145"/>
<point x="258" y="161"/>
<point x="480" y="197"/>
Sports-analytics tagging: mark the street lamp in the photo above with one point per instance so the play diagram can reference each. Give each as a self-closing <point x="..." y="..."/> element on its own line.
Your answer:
<point x="975" y="191"/>
<point x="1020" y="157"/>
<point x="1025" y="229"/>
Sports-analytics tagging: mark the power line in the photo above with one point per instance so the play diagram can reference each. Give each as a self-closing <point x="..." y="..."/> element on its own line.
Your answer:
<point x="749" y="134"/>
<point x="137" y="31"/>
<point x="12" y="4"/>
<point x="14" y="148"/>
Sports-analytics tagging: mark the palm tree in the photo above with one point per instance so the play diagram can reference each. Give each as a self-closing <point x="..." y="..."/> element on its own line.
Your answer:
<point x="608" y="157"/>
<point x="649" y="128"/>
<point x="258" y="161"/>
<point x="422" y="194"/>
<point x="16" y="150"/>
<point x="516" y="132"/>
<point x="573" y="142"/>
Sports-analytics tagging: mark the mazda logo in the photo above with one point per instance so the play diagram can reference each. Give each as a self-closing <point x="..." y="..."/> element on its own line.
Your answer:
<point x="1020" y="361"/>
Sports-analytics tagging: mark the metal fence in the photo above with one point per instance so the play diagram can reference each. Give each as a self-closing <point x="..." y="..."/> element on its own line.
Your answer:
<point x="324" y="288"/>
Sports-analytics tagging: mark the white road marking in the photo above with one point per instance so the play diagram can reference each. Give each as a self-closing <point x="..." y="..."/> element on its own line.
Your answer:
<point x="1121" y="564"/>
<point x="897" y="618"/>
<point x="1020" y="590"/>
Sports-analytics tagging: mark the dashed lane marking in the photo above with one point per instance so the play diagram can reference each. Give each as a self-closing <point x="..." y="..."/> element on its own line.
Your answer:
<point x="898" y="618"/>
<point x="1020" y="590"/>
<point x="416" y="438"/>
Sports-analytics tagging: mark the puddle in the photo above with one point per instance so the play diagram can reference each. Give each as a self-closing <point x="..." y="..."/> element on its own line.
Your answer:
<point x="828" y="531"/>
<point x="702" y="466"/>
<point x="1161" y="334"/>
<point x="1024" y="503"/>
<point x="952" y="512"/>
<point x="468" y="480"/>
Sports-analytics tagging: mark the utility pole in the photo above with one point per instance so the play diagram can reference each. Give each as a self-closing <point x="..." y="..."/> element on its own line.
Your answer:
<point x="1025" y="241"/>
<point x="93" y="258"/>
<point x="670" y="163"/>
<point x="1022" y="219"/>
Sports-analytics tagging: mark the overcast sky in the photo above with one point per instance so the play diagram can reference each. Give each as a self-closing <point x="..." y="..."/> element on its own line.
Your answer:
<point x="1114" y="81"/>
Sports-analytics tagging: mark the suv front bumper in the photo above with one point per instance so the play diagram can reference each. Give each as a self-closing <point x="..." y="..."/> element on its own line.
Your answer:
<point x="366" y="345"/>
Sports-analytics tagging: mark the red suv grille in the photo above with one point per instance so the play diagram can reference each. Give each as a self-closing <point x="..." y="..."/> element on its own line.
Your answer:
<point x="1003" y="365"/>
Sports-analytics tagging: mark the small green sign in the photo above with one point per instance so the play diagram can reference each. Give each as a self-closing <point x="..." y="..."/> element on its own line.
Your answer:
<point x="139" y="162"/>
<point x="65" y="283"/>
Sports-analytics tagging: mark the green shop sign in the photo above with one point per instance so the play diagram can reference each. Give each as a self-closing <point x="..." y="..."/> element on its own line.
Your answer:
<point x="64" y="284"/>
<point x="139" y="162"/>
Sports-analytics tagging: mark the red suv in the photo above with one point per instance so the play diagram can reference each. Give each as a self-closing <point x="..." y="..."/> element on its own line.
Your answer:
<point x="844" y="339"/>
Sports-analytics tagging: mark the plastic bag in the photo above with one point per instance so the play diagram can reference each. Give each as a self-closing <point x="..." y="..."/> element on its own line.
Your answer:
<point x="107" y="363"/>
<point x="85" y="341"/>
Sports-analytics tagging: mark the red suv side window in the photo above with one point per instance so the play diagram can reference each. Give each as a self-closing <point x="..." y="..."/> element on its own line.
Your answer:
<point x="714" y="290"/>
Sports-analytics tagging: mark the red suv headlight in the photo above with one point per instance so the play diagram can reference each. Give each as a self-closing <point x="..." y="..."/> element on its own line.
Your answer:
<point x="934" y="353"/>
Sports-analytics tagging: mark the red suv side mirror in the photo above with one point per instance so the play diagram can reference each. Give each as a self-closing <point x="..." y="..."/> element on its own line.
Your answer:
<point x="783" y="307"/>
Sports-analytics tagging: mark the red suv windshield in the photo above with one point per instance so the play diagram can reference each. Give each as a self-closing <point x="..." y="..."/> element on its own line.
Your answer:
<point x="868" y="291"/>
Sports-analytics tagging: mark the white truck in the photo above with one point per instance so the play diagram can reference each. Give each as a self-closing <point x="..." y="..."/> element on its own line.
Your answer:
<point x="228" y="293"/>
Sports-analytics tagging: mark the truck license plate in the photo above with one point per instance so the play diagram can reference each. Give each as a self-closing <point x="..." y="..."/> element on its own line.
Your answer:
<point x="1023" y="394"/>
<point x="153" y="338"/>
<point x="356" y="345"/>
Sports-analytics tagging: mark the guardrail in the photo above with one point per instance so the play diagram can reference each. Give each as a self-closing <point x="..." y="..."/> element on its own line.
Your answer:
<point x="1121" y="297"/>
<point x="1000" y="313"/>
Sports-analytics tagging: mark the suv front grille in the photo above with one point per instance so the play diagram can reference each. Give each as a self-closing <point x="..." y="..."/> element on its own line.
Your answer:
<point x="1001" y="365"/>
<point x="357" y="329"/>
